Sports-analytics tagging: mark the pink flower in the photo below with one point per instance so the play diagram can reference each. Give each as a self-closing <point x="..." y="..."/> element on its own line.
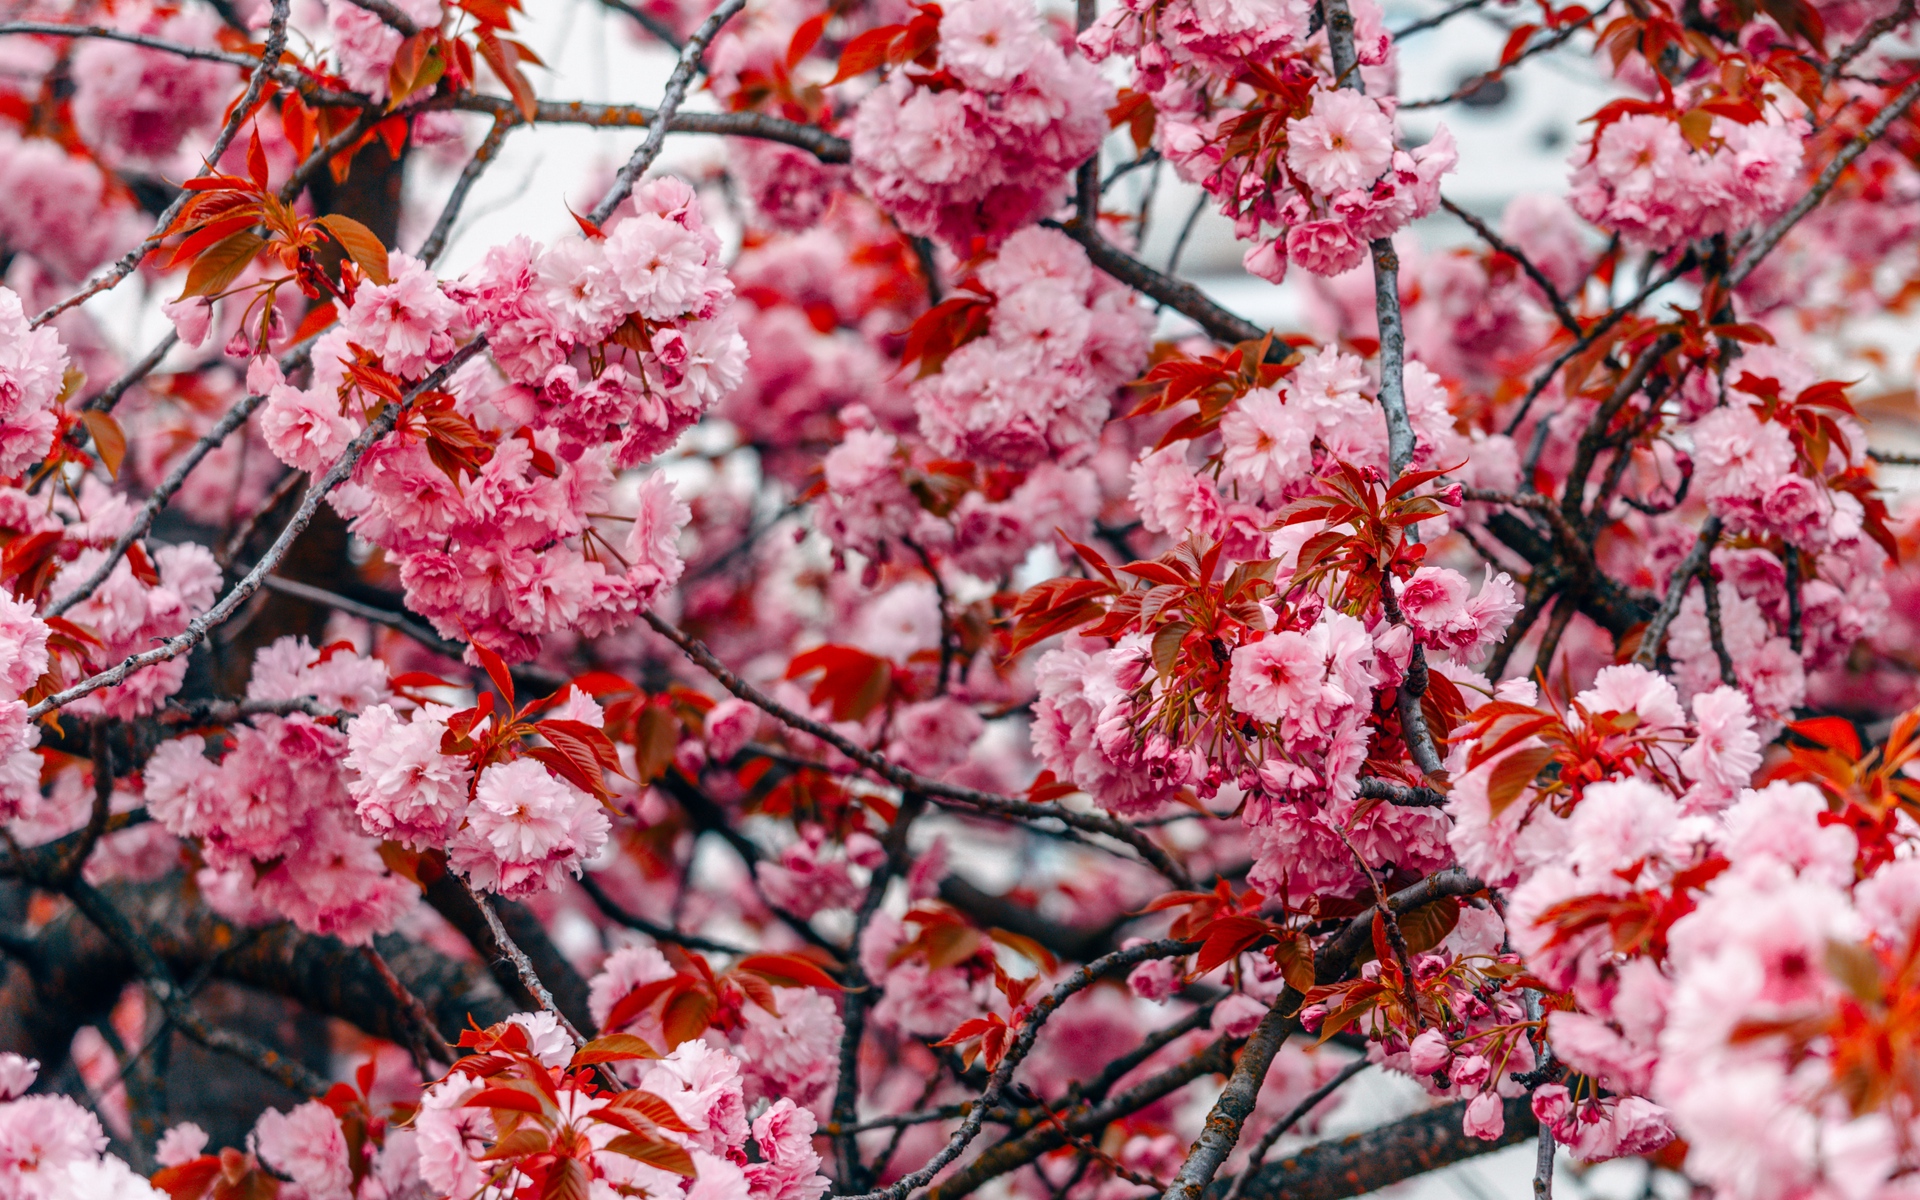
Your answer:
<point x="1429" y="1052"/>
<point x="794" y="1054"/>
<point x="1726" y="749"/>
<point x="192" y="319"/>
<point x="16" y="1075"/>
<point x="653" y="540"/>
<point x="1325" y="247"/>
<point x="1486" y="1119"/>
<point x="39" y="1135"/>
<point x="180" y="1144"/>
<point x="1267" y="259"/>
<point x="526" y="830"/>
<point x="1736" y="456"/>
<point x="306" y="1146"/>
<point x="1265" y="444"/>
<point x="1345" y="142"/>
<point x="934" y="735"/>
<point x="990" y="43"/>
<point x="410" y="323"/>
<point x="1274" y="676"/>
<point x="789" y="1166"/>
<point x="305" y="431"/>
<point x="138" y="108"/>
<point x="730" y="725"/>
<point x="402" y="786"/>
<point x="702" y="1084"/>
<point x="662" y="268"/>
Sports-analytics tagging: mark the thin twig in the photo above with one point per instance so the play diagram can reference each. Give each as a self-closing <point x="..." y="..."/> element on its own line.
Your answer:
<point x="647" y="21"/>
<point x="619" y="913"/>
<point x="1567" y="320"/>
<point x="1299" y="1111"/>
<point x="1437" y="19"/>
<point x="509" y="950"/>
<point x="1695" y="562"/>
<point x="670" y="99"/>
<point x="276" y="41"/>
<point x="1078" y="981"/>
<point x="176" y="476"/>
<point x="909" y="781"/>
<point x="1474" y="84"/>
<point x="1855" y="147"/>
<point x="197" y="629"/>
<point x="287" y="1072"/>
<point x="469" y="174"/>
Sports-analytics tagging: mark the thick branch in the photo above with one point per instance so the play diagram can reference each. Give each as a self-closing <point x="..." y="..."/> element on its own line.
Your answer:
<point x="1366" y="1162"/>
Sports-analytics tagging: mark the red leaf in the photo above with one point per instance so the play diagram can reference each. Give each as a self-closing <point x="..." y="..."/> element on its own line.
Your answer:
<point x="805" y="38"/>
<point x="867" y="51"/>
<point x="789" y="970"/>
<point x="1226" y="938"/>
<point x="512" y="1099"/>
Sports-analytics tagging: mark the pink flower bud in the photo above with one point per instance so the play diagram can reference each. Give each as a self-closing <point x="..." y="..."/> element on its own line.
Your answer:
<point x="1470" y="1071"/>
<point x="1486" y="1117"/>
<point x="192" y="319"/>
<point x="1429" y="1052"/>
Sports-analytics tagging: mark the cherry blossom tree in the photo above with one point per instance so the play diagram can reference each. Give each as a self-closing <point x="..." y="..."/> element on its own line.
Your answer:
<point x="837" y="671"/>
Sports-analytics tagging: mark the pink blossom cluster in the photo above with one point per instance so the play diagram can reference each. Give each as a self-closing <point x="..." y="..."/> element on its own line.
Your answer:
<point x="650" y="298"/>
<point x="131" y="609"/>
<point x="514" y="828"/>
<point x="983" y="146"/>
<point x="33" y="367"/>
<point x="1642" y="178"/>
<point x="1320" y="187"/>
<point x="140" y="109"/>
<point x="52" y="1148"/>
<point x="271" y="814"/>
<point x="1039" y="384"/>
<point x="62" y="209"/>
<point x="1275" y="442"/>
<point x="509" y="551"/>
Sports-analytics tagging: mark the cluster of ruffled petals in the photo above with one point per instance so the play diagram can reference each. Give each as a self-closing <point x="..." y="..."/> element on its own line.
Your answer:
<point x="1038" y="384"/>
<point x="1276" y="442"/>
<point x="983" y="145"/>
<point x="1773" y="939"/>
<point x="33" y="366"/>
<point x="525" y="541"/>
<point x="141" y="601"/>
<point x="514" y="827"/>
<point x="61" y="207"/>
<point x="52" y="1148"/>
<point x="650" y="299"/>
<point x="1642" y="178"/>
<point x="140" y="109"/>
<point x="268" y="808"/>
<point x="1313" y="188"/>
